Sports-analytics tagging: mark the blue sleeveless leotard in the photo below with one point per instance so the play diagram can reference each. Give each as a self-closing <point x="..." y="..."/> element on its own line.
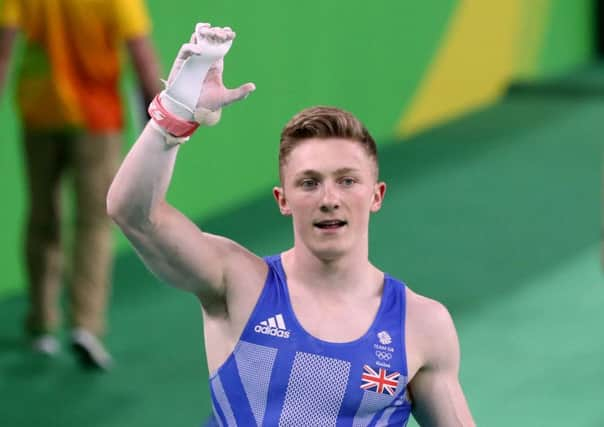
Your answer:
<point x="280" y="375"/>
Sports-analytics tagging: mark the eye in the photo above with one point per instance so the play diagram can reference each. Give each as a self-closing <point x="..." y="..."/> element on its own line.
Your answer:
<point x="308" y="183"/>
<point x="347" y="181"/>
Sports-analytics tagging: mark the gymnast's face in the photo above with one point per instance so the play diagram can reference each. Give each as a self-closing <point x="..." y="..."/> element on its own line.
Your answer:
<point x="330" y="188"/>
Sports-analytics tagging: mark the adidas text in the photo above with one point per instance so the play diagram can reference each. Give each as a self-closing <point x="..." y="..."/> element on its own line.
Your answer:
<point x="267" y="330"/>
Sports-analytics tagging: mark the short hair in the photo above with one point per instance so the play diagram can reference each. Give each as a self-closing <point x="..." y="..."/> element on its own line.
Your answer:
<point x="324" y="122"/>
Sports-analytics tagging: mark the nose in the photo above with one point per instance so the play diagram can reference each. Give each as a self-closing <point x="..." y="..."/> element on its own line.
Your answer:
<point x="330" y="201"/>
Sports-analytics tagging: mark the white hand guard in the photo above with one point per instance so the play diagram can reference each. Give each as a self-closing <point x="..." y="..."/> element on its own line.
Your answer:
<point x="176" y="112"/>
<point x="190" y="72"/>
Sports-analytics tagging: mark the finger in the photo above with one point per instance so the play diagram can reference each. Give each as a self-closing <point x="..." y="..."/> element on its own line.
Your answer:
<point x="198" y="30"/>
<point x="239" y="93"/>
<point x="203" y="31"/>
<point x="206" y="33"/>
<point x="201" y="25"/>
<point x="229" y="35"/>
<point x="187" y="50"/>
<point x="221" y="34"/>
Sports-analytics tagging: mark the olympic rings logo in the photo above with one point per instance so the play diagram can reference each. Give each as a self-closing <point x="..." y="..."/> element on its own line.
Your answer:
<point x="383" y="355"/>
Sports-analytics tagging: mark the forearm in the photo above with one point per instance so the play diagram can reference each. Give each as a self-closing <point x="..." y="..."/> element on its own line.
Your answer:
<point x="140" y="185"/>
<point x="7" y="40"/>
<point x="3" y="71"/>
<point x="146" y="66"/>
<point x="4" y="62"/>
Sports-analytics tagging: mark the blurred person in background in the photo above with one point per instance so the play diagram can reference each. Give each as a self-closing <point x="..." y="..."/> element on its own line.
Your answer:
<point x="71" y="111"/>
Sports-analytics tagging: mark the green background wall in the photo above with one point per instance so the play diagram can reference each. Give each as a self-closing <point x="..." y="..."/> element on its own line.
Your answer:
<point x="568" y="37"/>
<point x="368" y="59"/>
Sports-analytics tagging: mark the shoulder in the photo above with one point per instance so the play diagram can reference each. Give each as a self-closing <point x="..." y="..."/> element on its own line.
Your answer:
<point x="430" y="330"/>
<point x="426" y="310"/>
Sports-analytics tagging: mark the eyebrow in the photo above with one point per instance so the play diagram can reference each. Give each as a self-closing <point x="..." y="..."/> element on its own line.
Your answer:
<point x="341" y="171"/>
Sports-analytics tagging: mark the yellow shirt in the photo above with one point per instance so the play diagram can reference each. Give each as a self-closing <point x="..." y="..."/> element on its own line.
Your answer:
<point x="71" y="67"/>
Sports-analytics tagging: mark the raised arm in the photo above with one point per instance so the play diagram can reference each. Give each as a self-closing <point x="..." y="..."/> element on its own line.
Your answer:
<point x="437" y="396"/>
<point x="172" y="246"/>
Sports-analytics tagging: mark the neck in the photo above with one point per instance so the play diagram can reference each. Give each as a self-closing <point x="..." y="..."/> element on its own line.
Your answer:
<point x="349" y="271"/>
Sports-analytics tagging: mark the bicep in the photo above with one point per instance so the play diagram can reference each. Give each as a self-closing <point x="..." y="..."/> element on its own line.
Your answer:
<point x="437" y="395"/>
<point x="438" y="400"/>
<point x="179" y="253"/>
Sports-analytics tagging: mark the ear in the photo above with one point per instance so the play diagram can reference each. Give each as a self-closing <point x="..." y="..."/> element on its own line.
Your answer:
<point x="379" y="191"/>
<point x="279" y="195"/>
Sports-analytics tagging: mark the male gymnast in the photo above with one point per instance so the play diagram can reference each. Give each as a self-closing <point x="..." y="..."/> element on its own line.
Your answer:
<point x="316" y="335"/>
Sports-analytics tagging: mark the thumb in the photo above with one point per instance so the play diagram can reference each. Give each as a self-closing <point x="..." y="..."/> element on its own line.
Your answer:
<point x="239" y="93"/>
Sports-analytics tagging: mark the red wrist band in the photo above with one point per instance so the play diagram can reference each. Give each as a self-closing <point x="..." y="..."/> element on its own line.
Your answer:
<point x="174" y="125"/>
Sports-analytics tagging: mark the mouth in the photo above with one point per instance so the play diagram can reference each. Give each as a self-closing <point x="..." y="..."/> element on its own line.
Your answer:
<point x="331" y="224"/>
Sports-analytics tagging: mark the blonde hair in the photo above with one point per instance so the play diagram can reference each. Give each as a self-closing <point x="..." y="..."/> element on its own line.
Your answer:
<point x="324" y="122"/>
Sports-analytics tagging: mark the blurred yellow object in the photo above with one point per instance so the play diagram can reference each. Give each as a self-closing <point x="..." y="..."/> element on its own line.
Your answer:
<point x="486" y="45"/>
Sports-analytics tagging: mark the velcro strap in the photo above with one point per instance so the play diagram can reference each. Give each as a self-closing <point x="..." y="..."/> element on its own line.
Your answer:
<point x="173" y="124"/>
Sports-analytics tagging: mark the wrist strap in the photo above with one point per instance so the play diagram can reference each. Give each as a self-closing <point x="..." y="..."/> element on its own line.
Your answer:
<point x="170" y="139"/>
<point x="171" y="123"/>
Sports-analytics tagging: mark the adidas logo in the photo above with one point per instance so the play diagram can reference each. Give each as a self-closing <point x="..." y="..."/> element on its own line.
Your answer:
<point x="274" y="326"/>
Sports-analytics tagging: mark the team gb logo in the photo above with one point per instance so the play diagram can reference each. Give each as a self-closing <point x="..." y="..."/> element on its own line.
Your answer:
<point x="384" y="338"/>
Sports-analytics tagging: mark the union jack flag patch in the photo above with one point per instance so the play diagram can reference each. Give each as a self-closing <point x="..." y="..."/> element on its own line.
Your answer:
<point x="381" y="381"/>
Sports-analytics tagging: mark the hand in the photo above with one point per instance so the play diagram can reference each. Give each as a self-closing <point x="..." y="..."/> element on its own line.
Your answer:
<point x="196" y="76"/>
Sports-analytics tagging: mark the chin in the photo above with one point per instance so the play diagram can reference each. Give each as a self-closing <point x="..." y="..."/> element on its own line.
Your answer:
<point x="329" y="252"/>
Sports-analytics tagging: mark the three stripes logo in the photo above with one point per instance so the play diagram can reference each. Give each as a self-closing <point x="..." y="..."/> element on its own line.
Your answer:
<point x="274" y="326"/>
